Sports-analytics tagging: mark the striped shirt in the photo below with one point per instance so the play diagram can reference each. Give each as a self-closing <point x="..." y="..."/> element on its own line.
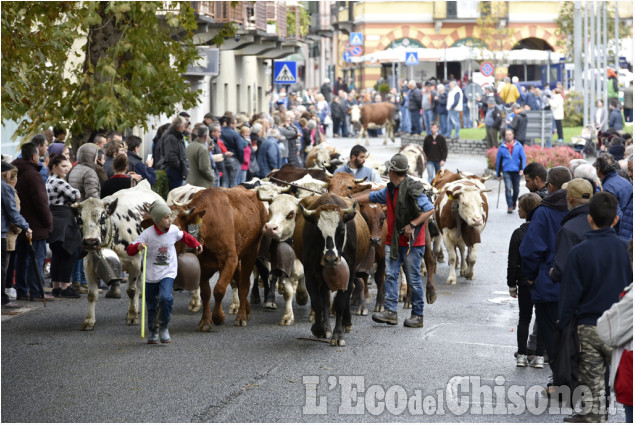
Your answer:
<point x="60" y="192"/>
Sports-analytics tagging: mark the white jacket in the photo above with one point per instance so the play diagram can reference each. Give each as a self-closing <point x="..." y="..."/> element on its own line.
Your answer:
<point x="557" y="106"/>
<point x="615" y="329"/>
<point x="452" y="95"/>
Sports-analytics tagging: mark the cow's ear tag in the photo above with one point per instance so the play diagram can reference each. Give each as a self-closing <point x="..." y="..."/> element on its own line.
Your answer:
<point x="450" y="197"/>
<point x="199" y="221"/>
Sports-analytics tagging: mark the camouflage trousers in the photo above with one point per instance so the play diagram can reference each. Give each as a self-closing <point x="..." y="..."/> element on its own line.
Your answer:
<point x="594" y="358"/>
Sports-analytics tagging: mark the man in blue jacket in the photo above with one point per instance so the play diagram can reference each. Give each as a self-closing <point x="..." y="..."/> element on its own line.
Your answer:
<point x="619" y="187"/>
<point x="234" y="144"/>
<point x="511" y="161"/>
<point x="356" y="166"/>
<point x="537" y="252"/>
<point x="269" y="153"/>
<point x="595" y="274"/>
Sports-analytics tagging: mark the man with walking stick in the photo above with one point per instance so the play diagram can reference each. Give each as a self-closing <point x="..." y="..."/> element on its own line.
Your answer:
<point x="510" y="161"/>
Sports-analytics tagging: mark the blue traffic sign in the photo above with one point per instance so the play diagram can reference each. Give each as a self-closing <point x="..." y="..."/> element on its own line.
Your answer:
<point x="357" y="39"/>
<point x="412" y="58"/>
<point x="347" y="56"/>
<point x="285" y="72"/>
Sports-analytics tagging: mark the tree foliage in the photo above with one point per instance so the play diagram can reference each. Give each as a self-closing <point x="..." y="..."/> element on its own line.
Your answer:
<point x="305" y="21"/>
<point x="565" y="27"/>
<point x="95" y="65"/>
<point x="492" y="33"/>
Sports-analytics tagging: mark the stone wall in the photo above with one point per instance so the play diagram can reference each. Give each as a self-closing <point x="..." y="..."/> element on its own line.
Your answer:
<point x="461" y="146"/>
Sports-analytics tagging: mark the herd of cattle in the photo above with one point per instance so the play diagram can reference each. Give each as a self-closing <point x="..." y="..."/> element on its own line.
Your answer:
<point x="298" y="230"/>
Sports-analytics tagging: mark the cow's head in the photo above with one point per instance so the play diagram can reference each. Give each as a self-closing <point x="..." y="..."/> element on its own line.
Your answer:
<point x="345" y="184"/>
<point x="356" y="114"/>
<point x="374" y="216"/>
<point x="323" y="156"/>
<point x="92" y="216"/>
<point x="282" y="212"/>
<point x="330" y="221"/>
<point x="310" y="183"/>
<point x="471" y="203"/>
<point x="267" y="192"/>
<point x="189" y="220"/>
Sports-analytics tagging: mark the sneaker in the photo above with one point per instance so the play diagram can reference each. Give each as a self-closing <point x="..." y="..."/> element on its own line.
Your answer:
<point x="11" y="293"/>
<point x="414" y="322"/>
<point x="538" y="362"/>
<point x="386" y="316"/>
<point x="521" y="360"/>
<point x="56" y="292"/>
<point x="577" y="418"/>
<point x="164" y="335"/>
<point x="11" y="304"/>
<point x="68" y="293"/>
<point x="153" y="338"/>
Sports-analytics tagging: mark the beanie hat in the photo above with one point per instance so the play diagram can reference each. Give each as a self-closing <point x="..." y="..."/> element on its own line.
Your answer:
<point x="7" y="166"/>
<point x="158" y="210"/>
<point x="398" y="163"/>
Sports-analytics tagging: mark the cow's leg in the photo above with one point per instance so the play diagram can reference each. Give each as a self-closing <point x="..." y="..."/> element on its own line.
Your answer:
<point x="438" y="250"/>
<point x="270" y="291"/>
<point x="205" y="325"/>
<point x="358" y="295"/>
<point x="287" y="289"/>
<point x="366" y="134"/>
<point x="462" y="252"/>
<point x="301" y="294"/>
<point x="340" y="304"/>
<point x="392" y="132"/>
<point x="317" y="306"/>
<point x="449" y="246"/>
<point x="471" y="260"/>
<point x="255" y="290"/>
<point x="246" y="266"/>
<point x="226" y="274"/>
<point x="91" y="279"/>
<point x="133" y="290"/>
<point x="195" y="302"/>
<point x="431" y="292"/>
<point x="380" y="277"/>
<point x="233" y="307"/>
<point x="386" y="130"/>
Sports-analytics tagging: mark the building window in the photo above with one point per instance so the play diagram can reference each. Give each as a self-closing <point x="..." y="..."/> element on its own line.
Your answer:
<point x="467" y="9"/>
<point x="451" y="10"/>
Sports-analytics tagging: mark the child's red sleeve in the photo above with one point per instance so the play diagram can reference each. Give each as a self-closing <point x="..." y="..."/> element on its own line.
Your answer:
<point x="133" y="249"/>
<point x="190" y="240"/>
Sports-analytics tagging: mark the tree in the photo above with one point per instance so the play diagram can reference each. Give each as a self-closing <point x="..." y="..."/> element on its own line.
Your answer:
<point x="493" y="32"/>
<point x="565" y="27"/>
<point x="95" y="65"/>
<point x="305" y="21"/>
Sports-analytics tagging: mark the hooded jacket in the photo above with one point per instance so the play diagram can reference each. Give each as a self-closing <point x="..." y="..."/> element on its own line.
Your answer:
<point x="83" y="176"/>
<point x="537" y="250"/>
<point x="33" y="199"/>
<point x="574" y="229"/>
<point x="174" y="155"/>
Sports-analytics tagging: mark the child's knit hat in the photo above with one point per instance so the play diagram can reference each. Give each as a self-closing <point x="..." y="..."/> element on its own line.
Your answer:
<point x="158" y="210"/>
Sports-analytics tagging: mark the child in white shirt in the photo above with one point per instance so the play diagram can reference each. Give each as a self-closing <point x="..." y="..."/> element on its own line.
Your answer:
<point x="161" y="266"/>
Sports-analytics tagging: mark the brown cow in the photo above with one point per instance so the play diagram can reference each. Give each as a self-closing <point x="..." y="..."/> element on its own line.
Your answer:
<point x="444" y="177"/>
<point x="380" y="114"/>
<point x="290" y="173"/>
<point x="229" y="225"/>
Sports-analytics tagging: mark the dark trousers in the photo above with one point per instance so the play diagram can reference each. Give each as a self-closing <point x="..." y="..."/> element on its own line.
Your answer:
<point x="525" y="310"/>
<point x="61" y="264"/>
<point x="546" y="317"/>
<point x="559" y="129"/>
<point x="175" y="178"/>
<point x="5" y="264"/>
<point x="10" y="270"/>
<point x="415" y="122"/>
<point x="26" y="282"/>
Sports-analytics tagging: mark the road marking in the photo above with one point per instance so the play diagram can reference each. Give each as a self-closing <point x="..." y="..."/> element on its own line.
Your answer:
<point x="8" y="314"/>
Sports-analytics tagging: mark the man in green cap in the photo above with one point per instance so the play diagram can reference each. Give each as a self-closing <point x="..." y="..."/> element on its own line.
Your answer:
<point x="408" y="209"/>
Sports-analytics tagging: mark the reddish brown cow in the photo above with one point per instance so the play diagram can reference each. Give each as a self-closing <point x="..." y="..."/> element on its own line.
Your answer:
<point x="379" y="114"/>
<point x="229" y="225"/>
<point x="444" y="177"/>
<point x="290" y="173"/>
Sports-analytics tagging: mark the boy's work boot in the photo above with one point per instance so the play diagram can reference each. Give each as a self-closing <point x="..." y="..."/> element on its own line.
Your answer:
<point x="153" y="338"/>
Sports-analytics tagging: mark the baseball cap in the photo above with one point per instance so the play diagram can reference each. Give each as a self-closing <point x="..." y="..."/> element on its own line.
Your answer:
<point x="579" y="188"/>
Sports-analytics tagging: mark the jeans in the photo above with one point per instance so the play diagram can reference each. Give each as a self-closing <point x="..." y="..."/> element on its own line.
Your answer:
<point x="159" y="294"/>
<point x="467" y="123"/>
<point x="26" y="281"/>
<point x="433" y="168"/>
<point x="242" y="176"/>
<point x="628" y="410"/>
<point x="78" y="272"/>
<point x="412" y="263"/>
<point x="546" y="317"/>
<point x="415" y="122"/>
<point x="454" y="123"/>
<point x="443" y="125"/>
<point x="525" y="310"/>
<point x="232" y="169"/>
<point x="175" y="178"/>
<point x="512" y="186"/>
<point x="405" y="119"/>
<point x="428" y="119"/>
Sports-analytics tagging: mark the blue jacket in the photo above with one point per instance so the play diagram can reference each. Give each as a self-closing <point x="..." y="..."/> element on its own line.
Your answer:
<point x="10" y="213"/>
<point x="537" y="250"/>
<point x="513" y="162"/>
<point x="622" y="189"/>
<point x="532" y="101"/>
<point x="596" y="272"/>
<point x="364" y="172"/>
<point x="233" y="142"/>
<point x="268" y="156"/>
<point x="615" y="120"/>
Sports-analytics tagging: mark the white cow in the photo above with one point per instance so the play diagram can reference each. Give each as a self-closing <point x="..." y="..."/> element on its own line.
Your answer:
<point x="461" y="213"/>
<point x="114" y="222"/>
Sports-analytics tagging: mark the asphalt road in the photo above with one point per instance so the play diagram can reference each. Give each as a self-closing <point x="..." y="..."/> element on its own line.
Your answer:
<point x="459" y="368"/>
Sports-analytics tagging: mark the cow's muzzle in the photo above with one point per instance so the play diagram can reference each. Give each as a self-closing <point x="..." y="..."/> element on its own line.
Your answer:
<point x="330" y="259"/>
<point x="90" y="244"/>
<point x="375" y="241"/>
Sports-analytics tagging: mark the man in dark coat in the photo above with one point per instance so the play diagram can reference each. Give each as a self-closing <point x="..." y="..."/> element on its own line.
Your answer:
<point x="174" y="157"/>
<point x="414" y="107"/>
<point x="519" y="123"/>
<point x="493" y="120"/>
<point x="621" y="188"/>
<point x="35" y="210"/>
<point x="326" y="90"/>
<point x="338" y="115"/>
<point x="234" y="144"/>
<point x="574" y="226"/>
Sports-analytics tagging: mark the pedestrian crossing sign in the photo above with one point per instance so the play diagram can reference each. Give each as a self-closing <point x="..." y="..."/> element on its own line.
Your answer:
<point x="412" y="58"/>
<point x="285" y="72"/>
<point x="356" y="39"/>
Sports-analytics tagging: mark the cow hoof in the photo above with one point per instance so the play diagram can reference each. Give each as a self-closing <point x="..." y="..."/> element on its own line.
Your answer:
<point x="364" y="311"/>
<point x="287" y="322"/>
<point x="240" y="323"/>
<point x="407" y="305"/>
<point x="469" y="276"/>
<point x="359" y="310"/>
<point x="431" y="297"/>
<point x="218" y="320"/>
<point x="338" y="342"/>
<point x="347" y="328"/>
<point x="132" y="321"/>
<point x="379" y="308"/>
<point x="88" y="325"/>
<point x="254" y="300"/>
<point x="271" y="305"/>
<point x="301" y="298"/>
<point x="401" y="298"/>
<point x="318" y="331"/>
<point x="233" y="309"/>
<point x="328" y="334"/>
<point x="451" y="281"/>
<point x="204" y="327"/>
<point x="194" y="308"/>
